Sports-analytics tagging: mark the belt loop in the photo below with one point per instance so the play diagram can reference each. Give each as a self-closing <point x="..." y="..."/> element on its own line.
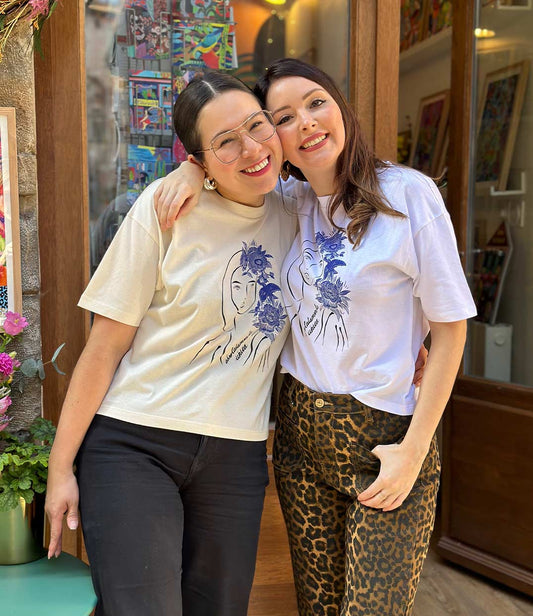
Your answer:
<point x="292" y="387"/>
<point x="368" y="413"/>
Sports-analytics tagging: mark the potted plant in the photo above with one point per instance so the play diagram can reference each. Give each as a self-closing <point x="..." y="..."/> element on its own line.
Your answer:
<point x="23" y="456"/>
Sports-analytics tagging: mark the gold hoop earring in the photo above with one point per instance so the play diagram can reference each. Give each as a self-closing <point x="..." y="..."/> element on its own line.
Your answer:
<point x="210" y="184"/>
<point x="285" y="171"/>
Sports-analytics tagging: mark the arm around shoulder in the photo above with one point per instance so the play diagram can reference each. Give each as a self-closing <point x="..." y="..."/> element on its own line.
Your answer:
<point x="178" y="193"/>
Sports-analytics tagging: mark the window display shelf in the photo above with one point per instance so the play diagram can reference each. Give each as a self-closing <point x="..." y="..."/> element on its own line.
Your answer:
<point x="491" y="191"/>
<point x="425" y="51"/>
<point x="513" y="192"/>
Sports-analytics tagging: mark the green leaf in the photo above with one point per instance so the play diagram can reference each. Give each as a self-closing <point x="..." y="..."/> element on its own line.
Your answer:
<point x="27" y="495"/>
<point x="8" y="500"/>
<point x="40" y="368"/>
<point x="25" y="483"/>
<point x="43" y="430"/>
<point x="52" y="9"/>
<point x="57" y="351"/>
<point x="37" y="46"/>
<point x="54" y="358"/>
<point x="29" y="367"/>
<point x="16" y="460"/>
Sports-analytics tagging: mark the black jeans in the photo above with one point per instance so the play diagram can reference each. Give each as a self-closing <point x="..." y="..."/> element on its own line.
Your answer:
<point x="170" y="519"/>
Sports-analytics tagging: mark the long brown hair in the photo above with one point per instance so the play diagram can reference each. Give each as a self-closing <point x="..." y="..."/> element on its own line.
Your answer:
<point x="356" y="180"/>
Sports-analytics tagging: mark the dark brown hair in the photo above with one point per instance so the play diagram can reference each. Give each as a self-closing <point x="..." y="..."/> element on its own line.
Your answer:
<point x="201" y="90"/>
<point x="356" y="182"/>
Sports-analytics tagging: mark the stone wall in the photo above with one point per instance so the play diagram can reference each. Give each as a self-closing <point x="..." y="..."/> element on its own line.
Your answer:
<point x="17" y="90"/>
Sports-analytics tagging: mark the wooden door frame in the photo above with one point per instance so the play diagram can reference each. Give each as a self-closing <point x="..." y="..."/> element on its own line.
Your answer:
<point x="63" y="192"/>
<point x="374" y="71"/>
<point x="62" y="200"/>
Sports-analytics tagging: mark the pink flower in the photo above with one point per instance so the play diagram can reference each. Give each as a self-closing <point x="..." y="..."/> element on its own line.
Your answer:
<point x="4" y="422"/>
<point x="5" y="403"/>
<point x="38" y="7"/>
<point x="14" y="323"/>
<point x="6" y="367"/>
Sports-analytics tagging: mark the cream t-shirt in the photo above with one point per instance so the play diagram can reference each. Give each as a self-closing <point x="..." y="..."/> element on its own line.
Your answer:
<point x="206" y="299"/>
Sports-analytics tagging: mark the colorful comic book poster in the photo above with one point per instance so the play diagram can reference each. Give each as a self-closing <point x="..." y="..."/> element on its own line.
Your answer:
<point x="216" y="10"/>
<point x="181" y="79"/>
<point x="207" y="44"/>
<point x="179" y="154"/>
<point x="146" y="164"/>
<point x="147" y="29"/>
<point x="150" y="99"/>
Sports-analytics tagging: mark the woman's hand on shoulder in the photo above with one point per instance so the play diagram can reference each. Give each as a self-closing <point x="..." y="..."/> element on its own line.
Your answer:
<point x="178" y="193"/>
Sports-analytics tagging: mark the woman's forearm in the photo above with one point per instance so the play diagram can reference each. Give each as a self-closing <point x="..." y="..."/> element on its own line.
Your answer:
<point x="401" y="462"/>
<point x="107" y="344"/>
<point x="447" y="345"/>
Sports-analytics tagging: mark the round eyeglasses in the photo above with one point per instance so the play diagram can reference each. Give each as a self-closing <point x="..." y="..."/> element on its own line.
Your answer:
<point x="227" y="147"/>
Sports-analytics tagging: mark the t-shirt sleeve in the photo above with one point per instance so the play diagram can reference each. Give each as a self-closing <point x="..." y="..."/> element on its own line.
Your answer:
<point x="123" y="286"/>
<point x="441" y="284"/>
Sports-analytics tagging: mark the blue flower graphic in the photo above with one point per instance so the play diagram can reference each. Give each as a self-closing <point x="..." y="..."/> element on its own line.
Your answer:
<point x="270" y="318"/>
<point x="333" y="295"/>
<point x="331" y="246"/>
<point x="255" y="260"/>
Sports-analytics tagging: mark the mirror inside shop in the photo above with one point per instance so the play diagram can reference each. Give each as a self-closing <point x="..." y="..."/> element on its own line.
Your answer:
<point x="140" y="54"/>
<point x="499" y="251"/>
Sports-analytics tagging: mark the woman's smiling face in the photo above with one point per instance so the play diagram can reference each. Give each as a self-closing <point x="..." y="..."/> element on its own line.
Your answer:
<point x="310" y="126"/>
<point x="255" y="172"/>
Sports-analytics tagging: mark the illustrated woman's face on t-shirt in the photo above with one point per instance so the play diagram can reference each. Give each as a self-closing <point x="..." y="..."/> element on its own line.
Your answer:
<point x="311" y="266"/>
<point x="309" y="124"/>
<point x="243" y="291"/>
<point x="255" y="172"/>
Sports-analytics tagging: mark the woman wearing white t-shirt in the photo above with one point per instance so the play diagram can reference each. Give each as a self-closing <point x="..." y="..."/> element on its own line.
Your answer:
<point x="373" y="269"/>
<point x="167" y="410"/>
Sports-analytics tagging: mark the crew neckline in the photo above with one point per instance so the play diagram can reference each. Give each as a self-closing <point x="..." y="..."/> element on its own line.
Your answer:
<point x="247" y="211"/>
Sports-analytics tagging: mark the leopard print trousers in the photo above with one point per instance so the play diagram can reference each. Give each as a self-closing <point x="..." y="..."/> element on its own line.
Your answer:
<point x="348" y="559"/>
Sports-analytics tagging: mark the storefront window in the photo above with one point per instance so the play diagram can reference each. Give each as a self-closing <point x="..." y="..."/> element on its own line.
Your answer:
<point x="140" y="54"/>
<point x="500" y="249"/>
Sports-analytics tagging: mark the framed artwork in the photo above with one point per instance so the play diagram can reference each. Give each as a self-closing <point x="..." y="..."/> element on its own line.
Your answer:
<point x="10" y="277"/>
<point x="428" y="134"/>
<point x="412" y="22"/>
<point x="490" y="268"/>
<point x="438" y="16"/>
<point x="501" y="102"/>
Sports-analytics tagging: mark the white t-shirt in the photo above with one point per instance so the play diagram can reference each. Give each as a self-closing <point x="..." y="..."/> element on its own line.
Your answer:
<point x="359" y="316"/>
<point x="206" y="298"/>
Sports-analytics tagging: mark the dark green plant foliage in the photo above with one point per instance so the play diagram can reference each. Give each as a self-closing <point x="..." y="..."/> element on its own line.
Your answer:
<point x="24" y="463"/>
